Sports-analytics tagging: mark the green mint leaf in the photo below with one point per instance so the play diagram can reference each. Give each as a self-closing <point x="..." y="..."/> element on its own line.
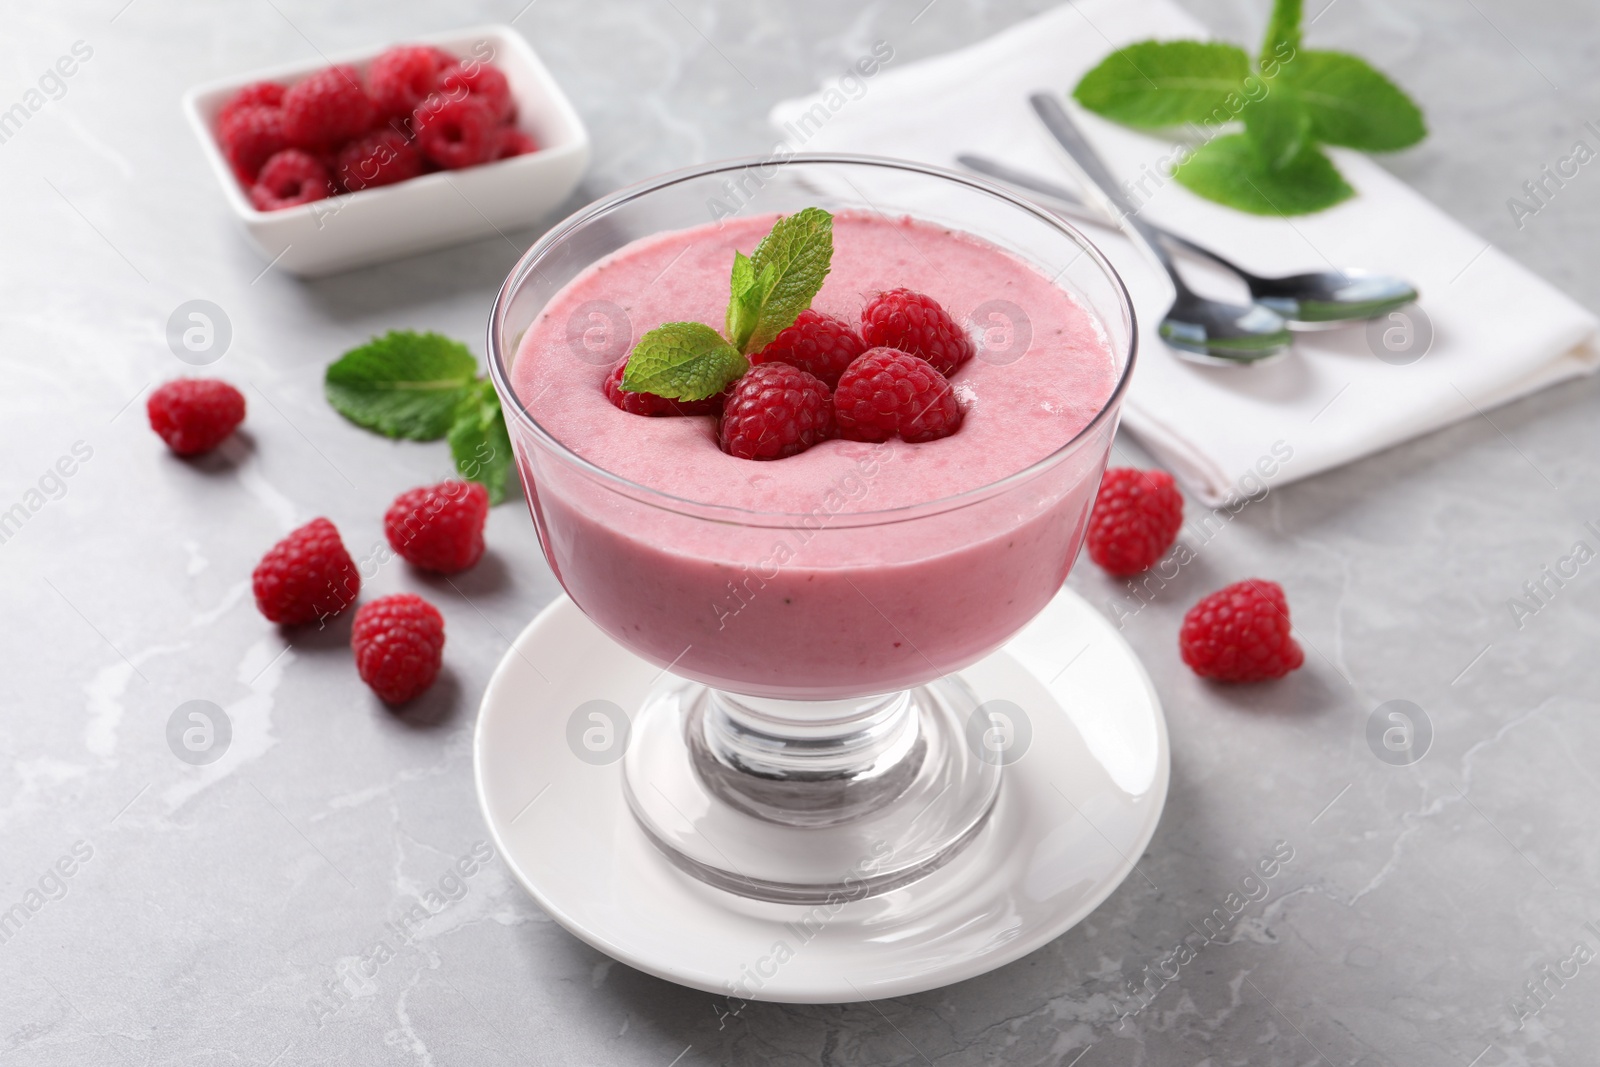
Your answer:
<point x="479" y="443"/>
<point x="789" y="267"/>
<point x="1231" y="171"/>
<point x="1352" y="104"/>
<point x="747" y="294"/>
<point x="682" y="361"/>
<point x="1278" y="126"/>
<point x="1154" y="84"/>
<point x="403" y="384"/>
<point x="1283" y="33"/>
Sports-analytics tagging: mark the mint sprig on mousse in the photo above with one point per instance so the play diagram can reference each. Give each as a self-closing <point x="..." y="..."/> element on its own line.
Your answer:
<point x="767" y="291"/>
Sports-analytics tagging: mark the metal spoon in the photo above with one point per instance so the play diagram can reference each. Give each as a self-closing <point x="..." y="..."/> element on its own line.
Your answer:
<point x="1197" y="328"/>
<point x="1316" y="301"/>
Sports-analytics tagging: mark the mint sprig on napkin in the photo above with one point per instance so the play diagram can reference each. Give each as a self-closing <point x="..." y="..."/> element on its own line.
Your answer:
<point x="767" y="291"/>
<point x="421" y="387"/>
<point x="1289" y="101"/>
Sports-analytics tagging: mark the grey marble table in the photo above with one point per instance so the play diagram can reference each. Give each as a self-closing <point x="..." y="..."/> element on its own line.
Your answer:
<point x="1431" y="914"/>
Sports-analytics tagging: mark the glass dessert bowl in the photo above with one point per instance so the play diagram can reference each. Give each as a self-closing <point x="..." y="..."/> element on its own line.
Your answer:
<point x="810" y="738"/>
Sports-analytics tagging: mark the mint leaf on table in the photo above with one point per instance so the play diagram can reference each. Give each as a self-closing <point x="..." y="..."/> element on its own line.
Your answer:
<point x="403" y="384"/>
<point x="1311" y="98"/>
<point x="785" y="273"/>
<point x="1279" y="127"/>
<point x="479" y="443"/>
<point x="1230" y="170"/>
<point x="1282" y="38"/>
<point x="682" y="361"/>
<point x="1155" y="84"/>
<point x="421" y="387"/>
<point x="1351" y="104"/>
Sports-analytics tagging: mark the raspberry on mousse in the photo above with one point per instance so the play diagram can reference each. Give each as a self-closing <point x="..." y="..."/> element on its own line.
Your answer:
<point x="888" y="393"/>
<point x="653" y="405"/>
<point x="775" y="411"/>
<point x="917" y="324"/>
<point x="818" y="344"/>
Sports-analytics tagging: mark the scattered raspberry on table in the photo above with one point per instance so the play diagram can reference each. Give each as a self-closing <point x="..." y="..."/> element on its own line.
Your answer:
<point x="439" y="527"/>
<point x="307" y="576"/>
<point x="1240" y="634"/>
<point x="399" y="646"/>
<point x="917" y="324"/>
<point x="195" y="415"/>
<point x="888" y="393"/>
<point x="774" y="411"/>
<point x="818" y="344"/>
<point x="1137" y="516"/>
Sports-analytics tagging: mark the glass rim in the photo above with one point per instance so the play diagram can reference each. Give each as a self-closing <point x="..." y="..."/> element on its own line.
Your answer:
<point x="499" y="370"/>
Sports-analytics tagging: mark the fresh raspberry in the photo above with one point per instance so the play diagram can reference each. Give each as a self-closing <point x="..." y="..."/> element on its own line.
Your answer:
<point x="327" y="109"/>
<point x="261" y="94"/>
<point x="1240" y="634"/>
<point x="886" y="392"/>
<point x="195" y="415"/>
<point x="455" y="133"/>
<point x="482" y="81"/>
<point x="289" y="178"/>
<point x="774" y="411"/>
<point x="1136" y="517"/>
<point x="439" y="527"/>
<point x="513" y="142"/>
<point x="249" y="137"/>
<point x="818" y="344"/>
<point x="399" y="644"/>
<point x="651" y="404"/>
<point x="308" y="575"/>
<point x="913" y="323"/>
<point x="382" y="157"/>
<point x="401" y="78"/>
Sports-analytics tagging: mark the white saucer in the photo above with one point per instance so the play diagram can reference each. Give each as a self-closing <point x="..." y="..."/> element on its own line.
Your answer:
<point x="1074" y="814"/>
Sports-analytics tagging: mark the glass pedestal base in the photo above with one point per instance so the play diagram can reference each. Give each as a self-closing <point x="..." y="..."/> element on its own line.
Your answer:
<point x="809" y="802"/>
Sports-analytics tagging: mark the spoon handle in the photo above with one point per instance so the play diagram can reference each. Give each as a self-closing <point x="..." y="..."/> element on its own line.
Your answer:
<point x="1099" y="182"/>
<point x="1071" y="205"/>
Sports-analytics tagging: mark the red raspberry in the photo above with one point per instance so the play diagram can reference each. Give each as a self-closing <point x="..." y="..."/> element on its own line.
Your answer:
<point x="327" y="109"/>
<point x="886" y="392"/>
<point x="308" y="575"/>
<point x="1240" y="634"/>
<point x="514" y="142"/>
<point x="455" y="133"/>
<point x="774" y="411"/>
<point x="399" y="644"/>
<point x="195" y="415"/>
<point x="401" y="78"/>
<point x="382" y="157"/>
<point x="1136" y="517"/>
<point x="261" y="94"/>
<point x="651" y="404"/>
<point x="482" y="81"/>
<point x="439" y="527"/>
<point x="289" y="178"/>
<point x="913" y="323"/>
<point x="818" y="344"/>
<point x="249" y="137"/>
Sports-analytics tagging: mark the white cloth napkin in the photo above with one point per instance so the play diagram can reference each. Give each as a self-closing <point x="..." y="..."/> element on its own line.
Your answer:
<point x="1499" y="332"/>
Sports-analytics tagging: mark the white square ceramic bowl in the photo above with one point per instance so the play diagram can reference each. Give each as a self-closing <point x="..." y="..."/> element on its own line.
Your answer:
<point x="431" y="211"/>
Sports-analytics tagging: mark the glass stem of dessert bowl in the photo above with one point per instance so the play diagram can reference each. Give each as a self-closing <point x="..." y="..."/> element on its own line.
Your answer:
<point x="809" y="736"/>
